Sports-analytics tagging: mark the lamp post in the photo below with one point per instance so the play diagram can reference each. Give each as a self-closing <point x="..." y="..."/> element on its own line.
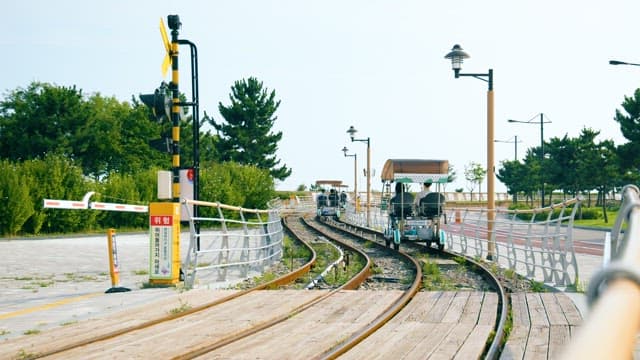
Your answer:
<point x="515" y="158"/>
<point x="542" y="122"/>
<point x="514" y="141"/>
<point x="352" y="132"/>
<point x="457" y="56"/>
<point x="355" y="176"/>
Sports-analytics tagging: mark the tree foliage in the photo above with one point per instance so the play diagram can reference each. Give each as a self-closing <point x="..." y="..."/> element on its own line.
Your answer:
<point x="572" y="165"/>
<point x="246" y="135"/>
<point x="99" y="134"/>
<point x="474" y="173"/>
<point x="59" y="144"/>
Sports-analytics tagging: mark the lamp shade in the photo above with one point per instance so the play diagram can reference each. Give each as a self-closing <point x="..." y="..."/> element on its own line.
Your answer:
<point x="457" y="56"/>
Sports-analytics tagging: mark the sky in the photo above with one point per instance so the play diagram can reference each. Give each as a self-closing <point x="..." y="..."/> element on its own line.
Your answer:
<point x="376" y="65"/>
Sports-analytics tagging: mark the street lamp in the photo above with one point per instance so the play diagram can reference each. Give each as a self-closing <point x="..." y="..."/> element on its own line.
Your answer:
<point x="542" y="122"/>
<point x="514" y="141"/>
<point x="457" y="56"/>
<point x="355" y="176"/>
<point x="352" y="131"/>
<point x="515" y="158"/>
<point x="616" y="62"/>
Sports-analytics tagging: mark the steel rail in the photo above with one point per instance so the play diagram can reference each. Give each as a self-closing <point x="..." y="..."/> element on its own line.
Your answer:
<point x="493" y="348"/>
<point x="383" y="318"/>
<point x="282" y="280"/>
<point x="351" y="284"/>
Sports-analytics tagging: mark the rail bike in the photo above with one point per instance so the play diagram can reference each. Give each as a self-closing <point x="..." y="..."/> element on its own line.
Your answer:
<point x="410" y="219"/>
<point x="330" y="200"/>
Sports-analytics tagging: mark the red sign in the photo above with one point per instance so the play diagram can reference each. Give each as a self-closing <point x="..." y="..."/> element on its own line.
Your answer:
<point x="190" y="174"/>
<point x="161" y="220"/>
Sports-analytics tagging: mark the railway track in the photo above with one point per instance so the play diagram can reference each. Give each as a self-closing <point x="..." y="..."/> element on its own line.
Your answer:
<point x="283" y="323"/>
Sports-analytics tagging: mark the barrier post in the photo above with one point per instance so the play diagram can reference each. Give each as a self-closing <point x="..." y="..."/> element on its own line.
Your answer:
<point x="114" y="271"/>
<point x="164" y="234"/>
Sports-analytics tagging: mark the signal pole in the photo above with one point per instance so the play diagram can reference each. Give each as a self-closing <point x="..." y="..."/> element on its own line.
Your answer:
<point x="174" y="25"/>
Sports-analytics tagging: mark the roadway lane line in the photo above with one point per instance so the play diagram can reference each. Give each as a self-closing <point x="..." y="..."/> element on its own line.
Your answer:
<point x="48" y="306"/>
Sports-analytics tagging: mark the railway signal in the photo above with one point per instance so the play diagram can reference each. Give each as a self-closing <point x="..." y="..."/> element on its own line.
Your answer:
<point x="159" y="102"/>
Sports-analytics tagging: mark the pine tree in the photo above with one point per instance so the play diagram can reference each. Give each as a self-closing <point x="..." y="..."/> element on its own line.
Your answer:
<point x="246" y="137"/>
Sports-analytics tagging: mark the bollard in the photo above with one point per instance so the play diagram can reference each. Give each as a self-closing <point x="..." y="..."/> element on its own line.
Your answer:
<point x="458" y="219"/>
<point x="113" y="263"/>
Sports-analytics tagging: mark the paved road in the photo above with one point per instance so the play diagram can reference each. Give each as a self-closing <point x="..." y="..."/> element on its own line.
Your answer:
<point x="49" y="282"/>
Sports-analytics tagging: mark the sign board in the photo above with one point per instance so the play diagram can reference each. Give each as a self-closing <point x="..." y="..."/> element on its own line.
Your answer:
<point x="164" y="236"/>
<point x="164" y="185"/>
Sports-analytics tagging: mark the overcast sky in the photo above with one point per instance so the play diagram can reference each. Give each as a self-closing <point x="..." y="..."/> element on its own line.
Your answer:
<point x="376" y="65"/>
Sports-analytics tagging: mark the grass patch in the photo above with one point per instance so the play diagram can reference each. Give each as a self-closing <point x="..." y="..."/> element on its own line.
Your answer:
<point x="4" y="332"/>
<point x="578" y="286"/>
<point x="184" y="306"/>
<point x="141" y="272"/>
<point x="432" y="277"/>
<point x="24" y="278"/>
<point x="375" y="269"/>
<point x="44" y="284"/>
<point x="31" y="332"/>
<point x="537" y="286"/>
<point x="24" y="355"/>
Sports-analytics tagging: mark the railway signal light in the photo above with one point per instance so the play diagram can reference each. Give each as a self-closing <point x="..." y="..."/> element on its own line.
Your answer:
<point x="159" y="102"/>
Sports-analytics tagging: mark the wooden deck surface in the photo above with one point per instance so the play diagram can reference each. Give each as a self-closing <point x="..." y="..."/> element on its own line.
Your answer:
<point x="542" y="324"/>
<point x="434" y="325"/>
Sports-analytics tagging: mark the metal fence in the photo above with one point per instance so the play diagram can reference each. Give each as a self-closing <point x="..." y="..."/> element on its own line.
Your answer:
<point x="243" y="243"/>
<point x="539" y="248"/>
<point x="536" y="243"/>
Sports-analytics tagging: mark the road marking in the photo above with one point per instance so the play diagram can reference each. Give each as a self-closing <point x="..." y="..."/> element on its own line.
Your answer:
<point x="47" y="306"/>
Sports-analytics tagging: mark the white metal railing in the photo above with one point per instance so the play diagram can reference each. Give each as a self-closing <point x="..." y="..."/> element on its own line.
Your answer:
<point x="231" y="247"/>
<point x="541" y="248"/>
<point x="611" y="327"/>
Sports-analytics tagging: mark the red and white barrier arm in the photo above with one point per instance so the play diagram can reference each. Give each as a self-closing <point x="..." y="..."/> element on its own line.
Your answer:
<point x="119" y="207"/>
<point x="64" y="204"/>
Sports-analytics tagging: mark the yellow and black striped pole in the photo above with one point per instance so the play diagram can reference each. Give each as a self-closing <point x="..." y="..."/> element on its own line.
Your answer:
<point x="174" y="25"/>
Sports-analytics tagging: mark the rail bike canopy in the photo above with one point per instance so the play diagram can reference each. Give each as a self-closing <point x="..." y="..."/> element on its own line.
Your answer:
<point x="333" y="183"/>
<point x="415" y="171"/>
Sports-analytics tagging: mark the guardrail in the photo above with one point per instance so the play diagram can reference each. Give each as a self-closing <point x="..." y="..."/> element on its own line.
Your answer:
<point x="611" y="327"/>
<point x="235" y="247"/>
<point x="541" y="247"/>
<point x="538" y="248"/>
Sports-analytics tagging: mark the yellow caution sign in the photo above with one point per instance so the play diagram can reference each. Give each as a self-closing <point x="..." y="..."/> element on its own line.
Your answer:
<point x="164" y="234"/>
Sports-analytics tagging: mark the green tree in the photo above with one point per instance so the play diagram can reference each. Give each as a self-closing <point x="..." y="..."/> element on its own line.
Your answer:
<point x="629" y="120"/>
<point x="451" y="176"/>
<point x="474" y="173"/>
<point x="15" y="204"/>
<point x="39" y="120"/>
<point x="561" y="169"/>
<point x="99" y="134"/>
<point x="246" y="136"/>
<point x="235" y="184"/>
<point x="115" y="138"/>
<point x="126" y="189"/>
<point x="56" y="177"/>
<point x="514" y="174"/>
